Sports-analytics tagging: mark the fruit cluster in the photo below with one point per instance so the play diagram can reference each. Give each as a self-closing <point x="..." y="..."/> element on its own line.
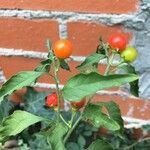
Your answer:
<point x="63" y="48"/>
<point x="119" y="43"/>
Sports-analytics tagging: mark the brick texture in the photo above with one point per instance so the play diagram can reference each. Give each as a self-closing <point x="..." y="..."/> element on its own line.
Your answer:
<point x="95" y="6"/>
<point x="85" y="35"/>
<point x="30" y="34"/>
<point x="27" y="34"/>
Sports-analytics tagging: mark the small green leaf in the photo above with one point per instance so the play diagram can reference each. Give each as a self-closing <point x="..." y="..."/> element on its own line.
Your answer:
<point x="35" y="102"/>
<point x="81" y="141"/>
<point x="64" y="65"/>
<point x="16" y="123"/>
<point x="72" y="146"/>
<point x="102" y="48"/>
<point x="90" y="62"/>
<point x="100" y="145"/>
<point x="45" y="66"/>
<point x="5" y="107"/>
<point x="114" y="113"/>
<point x="93" y="113"/>
<point x="55" y="137"/>
<point x="18" y="81"/>
<point x="83" y="85"/>
<point x="87" y="133"/>
<point x="134" y="87"/>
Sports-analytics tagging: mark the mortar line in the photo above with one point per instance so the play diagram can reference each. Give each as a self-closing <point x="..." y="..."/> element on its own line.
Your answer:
<point x="38" y="55"/>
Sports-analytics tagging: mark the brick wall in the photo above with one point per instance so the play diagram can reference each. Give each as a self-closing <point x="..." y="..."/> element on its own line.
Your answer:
<point x="26" y="24"/>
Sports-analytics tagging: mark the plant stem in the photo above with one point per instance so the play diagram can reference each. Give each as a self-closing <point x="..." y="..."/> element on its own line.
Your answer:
<point x="72" y="117"/>
<point x="71" y="129"/>
<point x="109" y="63"/>
<point x="56" y="69"/>
<point x="77" y="122"/>
<point x="134" y="144"/>
<point x="64" y="121"/>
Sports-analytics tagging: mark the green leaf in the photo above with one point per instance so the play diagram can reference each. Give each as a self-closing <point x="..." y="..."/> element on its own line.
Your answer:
<point x="91" y="62"/>
<point x="55" y="137"/>
<point x="45" y="66"/>
<point x="83" y="85"/>
<point x="102" y="48"/>
<point x="114" y="113"/>
<point x="87" y="133"/>
<point x="134" y="86"/>
<point x="72" y="146"/>
<point x="38" y="142"/>
<point x="64" y="65"/>
<point x="35" y="102"/>
<point x="16" y="123"/>
<point x="100" y="145"/>
<point x="18" y="81"/>
<point x="93" y="113"/>
<point x="5" y="107"/>
<point x="81" y="141"/>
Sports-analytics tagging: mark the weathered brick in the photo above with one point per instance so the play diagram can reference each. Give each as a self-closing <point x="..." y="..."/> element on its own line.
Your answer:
<point x="27" y="34"/>
<point x="85" y="35"/>
<point x="102" y="6"/>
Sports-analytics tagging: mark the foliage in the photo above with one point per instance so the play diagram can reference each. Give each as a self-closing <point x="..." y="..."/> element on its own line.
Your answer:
<point x="36" y="126"/>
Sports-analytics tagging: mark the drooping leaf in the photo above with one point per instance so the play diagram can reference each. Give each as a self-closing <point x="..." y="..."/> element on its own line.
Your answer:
<point x="91" y="62"/>
<point x="35" y="102"/>
<point x="72" y="146"/>
<point x="100" y="145"/>
<point x="39" y="142"/>
<point x="55" y="137"/>
<point x="81" y="141"/>
<point x="102" y="48"/>
<point x="114" y="113"/>
<point x="94" y="114"/>
<point x="45" y="66"/>
<point x="134" y="86"/>
<point x="5" y="107"/>
<point x="17" y="122"/>
<point x="83" y="85"/>
<point x="64" y="65"/>
<point x="18" y="81"/>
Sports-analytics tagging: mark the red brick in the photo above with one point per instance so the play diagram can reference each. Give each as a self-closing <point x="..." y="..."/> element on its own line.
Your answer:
<point x="131" y="107"/>
<point x="27" y="34"/>
<point x="85" y="36"/>
<point x="95" y="6"/>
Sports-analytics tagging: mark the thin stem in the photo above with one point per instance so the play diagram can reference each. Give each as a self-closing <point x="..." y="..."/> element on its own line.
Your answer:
<point x="77" y="122"/>
<point x="109" y="63"/>
<point x="72" y="117"/>
<point x="56" y="78"/>
<point x="64" y="121"/>
<point x="71" y="129"/>
<point x="134" y="144"/>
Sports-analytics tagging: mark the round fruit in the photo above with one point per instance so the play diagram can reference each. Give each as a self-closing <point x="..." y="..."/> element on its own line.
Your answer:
<point x="52" y="100"/>
<point x="117" y="41"/>
<point x="129" y="54"/>
<point x="63" y="48"/>
<point x="79" y="104"/>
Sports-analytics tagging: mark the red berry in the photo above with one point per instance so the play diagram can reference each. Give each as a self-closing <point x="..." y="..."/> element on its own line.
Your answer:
<point x="52" y="100"/>
<point x="118" y="41"/>
<point x="79" y="104"/>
